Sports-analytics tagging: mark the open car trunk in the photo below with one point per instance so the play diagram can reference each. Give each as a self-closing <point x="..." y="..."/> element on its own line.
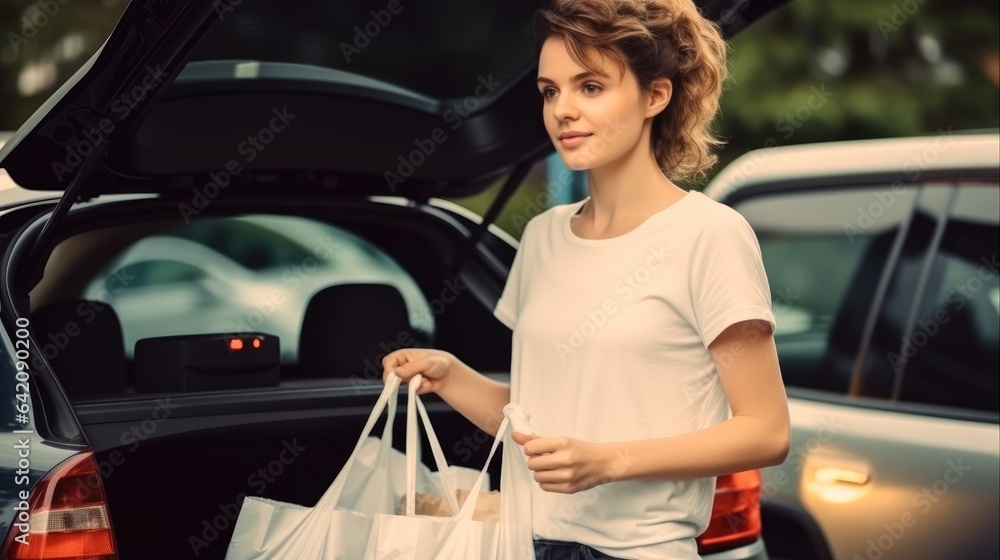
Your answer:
<point x="176" y="465"/>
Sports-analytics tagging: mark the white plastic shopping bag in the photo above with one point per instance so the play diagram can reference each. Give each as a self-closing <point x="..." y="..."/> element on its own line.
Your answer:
<point x="355" y="518"/>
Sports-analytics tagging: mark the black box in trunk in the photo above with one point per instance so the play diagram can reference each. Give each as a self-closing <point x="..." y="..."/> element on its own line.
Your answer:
<point x="206" y="362"/>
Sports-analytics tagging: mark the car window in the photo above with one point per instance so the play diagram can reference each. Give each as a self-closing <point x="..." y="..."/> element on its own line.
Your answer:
<point x="157" y="273"/>
<point x="548" y="183"/>
<point x="262" y="243"/>
<point x="252" y="273"/>
<point x="952" y="356"/>
<point x="824" y="252"/>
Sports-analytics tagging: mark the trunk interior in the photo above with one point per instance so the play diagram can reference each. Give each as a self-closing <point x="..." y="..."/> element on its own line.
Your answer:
<point x="175" y="466"/>
<point x="175" y="488"/>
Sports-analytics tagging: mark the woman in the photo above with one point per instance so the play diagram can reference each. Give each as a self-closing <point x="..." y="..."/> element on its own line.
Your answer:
<point x="643" y="341"/>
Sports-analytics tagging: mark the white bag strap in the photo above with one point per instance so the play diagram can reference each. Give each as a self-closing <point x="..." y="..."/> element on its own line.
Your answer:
<point x="331" y="497"/>
<point x="470" y="503"/>
<point x="390" y="416"/>
<point x="414" y="404"/>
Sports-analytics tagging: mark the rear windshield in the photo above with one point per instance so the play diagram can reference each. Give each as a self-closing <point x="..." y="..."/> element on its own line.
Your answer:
<point x="241" y="274"/>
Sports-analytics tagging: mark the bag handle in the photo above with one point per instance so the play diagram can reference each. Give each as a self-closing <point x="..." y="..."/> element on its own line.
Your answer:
<point x="387" y="430"/>
<point x="388" y="397"/>
<point x="465" y="514"/>
<point x="415" y="405"/>
<point x="512" y="415"/>
<point x="331" y="497"/>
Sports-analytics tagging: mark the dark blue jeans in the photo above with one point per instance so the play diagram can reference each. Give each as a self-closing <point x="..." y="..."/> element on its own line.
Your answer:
<point x="562" y="550"/>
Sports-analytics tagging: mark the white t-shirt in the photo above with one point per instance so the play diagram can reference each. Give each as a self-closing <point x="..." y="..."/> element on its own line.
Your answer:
<point x="610" y="343"/>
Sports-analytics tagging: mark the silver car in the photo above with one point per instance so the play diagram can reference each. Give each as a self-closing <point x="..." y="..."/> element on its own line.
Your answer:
<point x="243" y="274"/>
<point x="882" y="260"/>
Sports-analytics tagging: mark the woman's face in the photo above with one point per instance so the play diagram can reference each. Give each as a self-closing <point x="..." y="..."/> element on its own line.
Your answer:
<point x="607" y="108"/>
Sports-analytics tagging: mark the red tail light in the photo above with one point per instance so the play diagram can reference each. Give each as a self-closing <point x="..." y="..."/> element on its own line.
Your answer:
<point x="68" y="517"/>
<point x="735" y="513"/>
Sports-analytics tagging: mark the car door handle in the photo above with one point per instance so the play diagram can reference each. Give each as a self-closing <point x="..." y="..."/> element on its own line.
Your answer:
<point x="837" y="478"/>
<point x="841" y="475"/>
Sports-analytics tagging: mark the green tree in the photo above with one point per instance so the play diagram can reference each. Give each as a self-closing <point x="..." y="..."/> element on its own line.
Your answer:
<point x="883" y="68"/>
<point x="44" y="43"/>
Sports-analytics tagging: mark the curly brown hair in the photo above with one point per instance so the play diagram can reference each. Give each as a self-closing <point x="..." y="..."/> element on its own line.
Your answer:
<point x="656" y="39"/>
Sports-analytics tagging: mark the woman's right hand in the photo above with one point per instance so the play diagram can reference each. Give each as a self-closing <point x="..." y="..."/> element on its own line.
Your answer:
<point x="433" y="364"/>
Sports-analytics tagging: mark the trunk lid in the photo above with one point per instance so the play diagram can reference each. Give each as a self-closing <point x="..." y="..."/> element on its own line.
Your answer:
<point x="331" y="95"/>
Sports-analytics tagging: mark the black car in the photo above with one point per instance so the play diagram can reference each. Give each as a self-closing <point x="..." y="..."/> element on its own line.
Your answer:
<point x="360" y="115"/>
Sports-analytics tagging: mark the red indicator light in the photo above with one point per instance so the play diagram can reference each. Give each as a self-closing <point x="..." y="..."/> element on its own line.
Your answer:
<point x="256" y="343"/>
<point x="235" y="344"/>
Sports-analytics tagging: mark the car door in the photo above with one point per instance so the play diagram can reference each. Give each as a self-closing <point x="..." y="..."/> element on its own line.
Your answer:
<point x="892" y="392"/>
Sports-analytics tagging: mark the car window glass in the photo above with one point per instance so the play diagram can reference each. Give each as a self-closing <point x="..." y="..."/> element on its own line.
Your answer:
<point x="267" y="243"/>
<point x="253" y="273"/>
<point x="159" y="272"/>
<point x="952" y="357"/>
<point x="882" y="365"/>
<point x="548" y="183"/>
<point x="824" y="252"/>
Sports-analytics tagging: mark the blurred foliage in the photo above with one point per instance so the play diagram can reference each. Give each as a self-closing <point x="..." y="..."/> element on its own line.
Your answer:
<point x="815" y="70"/>
<point x="44" y="43"/>
<point x="889" y="68"/>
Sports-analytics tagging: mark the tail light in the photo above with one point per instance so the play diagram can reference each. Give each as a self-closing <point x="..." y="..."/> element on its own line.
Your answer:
<point x="735" y="514"/>
<point x="67" y="517"/>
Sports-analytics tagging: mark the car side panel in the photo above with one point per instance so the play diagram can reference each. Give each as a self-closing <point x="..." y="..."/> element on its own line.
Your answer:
<point x="25" y="455"/>
<point x="918" y="472"/>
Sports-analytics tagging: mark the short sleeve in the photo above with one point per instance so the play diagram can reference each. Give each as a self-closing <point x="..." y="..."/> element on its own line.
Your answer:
<point x="728" y="281"/>
<point x="509" y="303"/>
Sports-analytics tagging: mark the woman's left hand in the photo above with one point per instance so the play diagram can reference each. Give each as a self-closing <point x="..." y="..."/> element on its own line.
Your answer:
<point x="565" y="465"/>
